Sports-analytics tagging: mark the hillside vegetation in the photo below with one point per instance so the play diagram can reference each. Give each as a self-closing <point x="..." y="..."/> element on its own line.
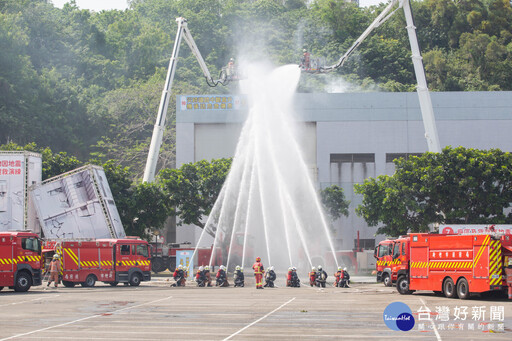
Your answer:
<point x="89" y="83"/>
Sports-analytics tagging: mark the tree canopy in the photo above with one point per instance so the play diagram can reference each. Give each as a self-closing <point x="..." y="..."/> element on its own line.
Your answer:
<point x="88" y="83"/>
<point x="458" y="186"/>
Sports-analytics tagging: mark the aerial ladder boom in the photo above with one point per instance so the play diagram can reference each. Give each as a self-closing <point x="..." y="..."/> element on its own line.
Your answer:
<point x="427" y="112"/>
<point x="158" y="130"/>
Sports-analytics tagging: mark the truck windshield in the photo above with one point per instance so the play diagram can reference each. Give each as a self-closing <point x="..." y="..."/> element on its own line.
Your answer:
<point x="31" y="244"/>
<point x="383" y="250"/>
<point x="142" y="250"/>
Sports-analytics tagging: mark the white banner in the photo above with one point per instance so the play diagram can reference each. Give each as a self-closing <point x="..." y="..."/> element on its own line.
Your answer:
<point x="474" y="229"/>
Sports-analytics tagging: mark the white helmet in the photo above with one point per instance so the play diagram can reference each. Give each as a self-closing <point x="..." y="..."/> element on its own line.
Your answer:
<point x="344" y="269"/>
<point x="180" y="266"/>
<point x="201" y="268"/>
<point x="222" y="267"/>
<point x="319" y="267"/>
<point x="290" y="268"/>
<point x="237" y="267"/>
<point x="294" y="269"/>
<point x="313" y="269"/>
<point x="271" y="268"/>
<point x="56" y="256"/>
<point x="207" y="268"/>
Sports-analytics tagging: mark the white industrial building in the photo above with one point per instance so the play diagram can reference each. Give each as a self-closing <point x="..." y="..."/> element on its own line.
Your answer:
<point x="347" y="137"/>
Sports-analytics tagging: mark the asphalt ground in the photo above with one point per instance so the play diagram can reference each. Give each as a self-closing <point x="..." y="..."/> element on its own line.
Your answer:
<point x="156" y="311"/>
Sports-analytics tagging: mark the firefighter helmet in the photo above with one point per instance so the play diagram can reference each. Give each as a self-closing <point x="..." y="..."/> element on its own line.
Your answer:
<point x="258" y="259"/>
<point x="207" y="268"/>
<point x="319" y="268"/>
<point x="237" y="267"/>
<point x="56" y="256"/>
<point x="344" y="269"/>
<point x="201" y="268"/>
<point x="180" y="266"/>
<point x="294" y="269"/>
<point x="271" y="268"/>
<point x="339" y="268"/>
<point x="313" y="269"/>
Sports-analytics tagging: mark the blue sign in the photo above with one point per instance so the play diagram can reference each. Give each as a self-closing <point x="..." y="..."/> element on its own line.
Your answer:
<point x="184" y="258"/>
<point x="398" y="316"/>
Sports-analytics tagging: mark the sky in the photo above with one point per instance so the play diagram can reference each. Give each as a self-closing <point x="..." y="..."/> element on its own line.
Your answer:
<point x="98" y="5"/>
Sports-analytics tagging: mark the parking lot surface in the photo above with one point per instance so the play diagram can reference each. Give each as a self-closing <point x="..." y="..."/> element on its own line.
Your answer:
<point x="156" y="311"/>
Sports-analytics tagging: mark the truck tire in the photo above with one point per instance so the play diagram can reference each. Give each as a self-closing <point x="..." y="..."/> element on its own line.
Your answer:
<point x="89" y="281"/>
<point x="68" y="284"/>
<point x="23" y="282"/>
<point x="449" y="288"/>
<point x="463" y="289"/>
<point x="386" y="279"/>
<point x="135" y="280"/>
<point x="402" y="285"/>
<point x="157" y="264"/>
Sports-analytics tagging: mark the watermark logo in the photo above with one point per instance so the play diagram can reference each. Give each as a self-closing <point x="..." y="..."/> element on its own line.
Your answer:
<point x="398" y="316"/>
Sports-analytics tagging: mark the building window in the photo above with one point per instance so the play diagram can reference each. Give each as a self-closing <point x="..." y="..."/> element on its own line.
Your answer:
<point x="353" y="158"/>
<point x="365" y="244"/>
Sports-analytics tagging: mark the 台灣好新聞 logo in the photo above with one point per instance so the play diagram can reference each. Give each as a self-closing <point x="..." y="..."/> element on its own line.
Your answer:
<point x="398" y="316"/>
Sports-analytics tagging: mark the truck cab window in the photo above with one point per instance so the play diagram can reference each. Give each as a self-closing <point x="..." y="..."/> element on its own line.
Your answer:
<point x="31" y="244"/>
<point x="403" y="249"/>
<point x="383" y="250"/>
<point x="142" y="250"/>
<point x="396" y="250"/>
<point x="125" y="250"/>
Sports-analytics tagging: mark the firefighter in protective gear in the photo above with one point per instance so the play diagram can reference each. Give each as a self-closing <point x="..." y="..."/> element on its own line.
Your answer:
<point x="305" y="62"/>
<point x="270" y="277"/>
<point x="54" y="270"/>
<point x="258" y="273"/>
<point x="179" y="276"/>
<point x="321" y="277"/>
<point x="346" y="279"/>
<point x="312" y="276"/>
<point x="200" y="277"/>
<point x="222" y="277"/>
<point x="508" y="272"/>
<point x="239" y="277"/>
<point x="289" y="277"/>
<point x="295" y="280"/>
<point x="230" y="69"/>
<point x="338" y="276"/>
<point x="208" y="276"/>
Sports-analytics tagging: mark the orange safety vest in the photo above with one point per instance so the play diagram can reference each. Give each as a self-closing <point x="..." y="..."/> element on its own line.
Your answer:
<point x="258" y="268"/>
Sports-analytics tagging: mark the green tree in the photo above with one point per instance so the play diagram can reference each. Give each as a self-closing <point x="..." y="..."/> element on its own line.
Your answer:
<point x="458" y="185"/>
<point x="194" y="187"/>
<point x="334" y="202"/>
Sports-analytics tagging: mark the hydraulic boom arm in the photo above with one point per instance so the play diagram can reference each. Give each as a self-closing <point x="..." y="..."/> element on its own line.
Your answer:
<point x="158" y="130"/>
<point x="427" y="112"/>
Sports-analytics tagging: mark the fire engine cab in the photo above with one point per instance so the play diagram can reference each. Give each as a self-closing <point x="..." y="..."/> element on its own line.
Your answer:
<point x="110" y="261"/>
<point x="20" y="260"/>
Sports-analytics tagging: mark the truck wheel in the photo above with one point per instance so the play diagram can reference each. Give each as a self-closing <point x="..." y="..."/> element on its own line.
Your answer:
<point x="68" y="284"/>
<point x="157" y="264"/>
<point x="449" y="288"/>
<point x="463" y="289"/>
<point x="23" y="282"/>
<point x="135" y="280"/>
<point x="402" y="285"/>
<point x="386" y="279"/>
<point x="89" y="281"/>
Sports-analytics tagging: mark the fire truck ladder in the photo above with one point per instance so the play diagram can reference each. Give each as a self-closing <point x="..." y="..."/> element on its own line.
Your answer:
<point x="94" y="184"/>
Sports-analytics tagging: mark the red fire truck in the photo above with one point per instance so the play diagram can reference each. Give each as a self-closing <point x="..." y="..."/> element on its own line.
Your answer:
<point x="383" y="254"/>
<point x="20" y="260"/>
<point x="110" y="261"/>
<point x="453" y="265"/>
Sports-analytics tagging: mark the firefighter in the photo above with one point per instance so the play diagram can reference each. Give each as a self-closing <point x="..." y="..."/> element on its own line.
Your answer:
<point x="179" y="276"/>
<point x="200" y="277"/>
<point x="239" y="276"/>
<point x="321" y="277"/>
<point x="508" y="272"/>
<point x="222" y="278"/>
<point x="312" y="276"/>
<point x="54" y="270"/>
<point x="295" y="280"/>
<point x="289" y="277"/>
<point x="346" y="278"/>
<point x="305" y="61"/>
<point x="270" y="277"/>
<point x="230" y="69"/>
<point x="338" y="276"/>
<point x="258" y="273"/>
<point x="208" y="276"/>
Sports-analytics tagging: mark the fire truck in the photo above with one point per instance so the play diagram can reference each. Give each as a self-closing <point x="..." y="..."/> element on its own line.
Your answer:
<point x="110" y="261"/>
<point x="453" y="265"/>
<point x="20" y="260"/>
<point x="383" y="254"/>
